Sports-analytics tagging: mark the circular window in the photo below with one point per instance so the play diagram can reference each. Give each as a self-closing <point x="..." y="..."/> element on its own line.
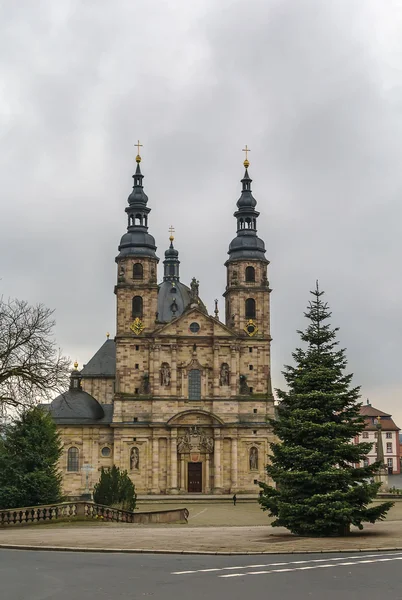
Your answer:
<point x="106" y="451"/>
<point x="194" y="327"/>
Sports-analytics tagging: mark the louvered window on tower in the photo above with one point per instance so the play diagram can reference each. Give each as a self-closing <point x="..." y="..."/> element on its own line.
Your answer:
<point x="194" y="384"/>
<point x="138" y="271"/>
<point x="250" y="308"/>
<point x="137" y="307"/>
<point x="250" y="274"/>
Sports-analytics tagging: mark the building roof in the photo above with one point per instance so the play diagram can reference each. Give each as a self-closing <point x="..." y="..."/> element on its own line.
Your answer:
<point x="386" y="425"/>
<point x="370" y="411"/>
<point x="370" y="414"/>
<point x="103" y="363"/>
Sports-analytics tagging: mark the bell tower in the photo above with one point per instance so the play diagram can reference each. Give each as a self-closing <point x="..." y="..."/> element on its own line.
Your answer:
<point x="247" y="292"/>
<point x="136" y="289"/>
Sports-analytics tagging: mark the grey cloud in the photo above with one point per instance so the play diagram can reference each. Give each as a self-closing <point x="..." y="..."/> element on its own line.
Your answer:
<point x="313" y="87"/>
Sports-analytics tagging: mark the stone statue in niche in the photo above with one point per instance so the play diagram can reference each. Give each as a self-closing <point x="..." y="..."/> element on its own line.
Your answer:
<point x="253" y="459"/>
<point x="122" y="275"/>
<point x="165" y="374"/>
<point x="194" y="287"/>
<point x="134" y="459"/>
<point x="145" y="384"/>
<point x="224" y="376"/>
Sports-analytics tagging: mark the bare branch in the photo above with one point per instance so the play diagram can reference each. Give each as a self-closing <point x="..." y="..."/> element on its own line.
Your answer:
<point x="32" y="368"/>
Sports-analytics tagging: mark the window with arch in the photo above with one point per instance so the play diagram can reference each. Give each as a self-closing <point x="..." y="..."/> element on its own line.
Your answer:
<point x="250" y="274"/>
<point x="138" y="219"/>
<point x="250" y="308"/>
<point x="138" y="271"/>
<point x="73" y="459"/>
<point x="137" y="307"/>
<point x="194" y="384"/>
<point x="253" y="459"/>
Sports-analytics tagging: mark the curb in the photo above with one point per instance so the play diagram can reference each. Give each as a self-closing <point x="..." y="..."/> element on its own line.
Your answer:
<point x="188" y="552"/>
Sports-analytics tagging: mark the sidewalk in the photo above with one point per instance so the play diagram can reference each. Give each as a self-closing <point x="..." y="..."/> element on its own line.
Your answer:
<point x="181" y="539"/>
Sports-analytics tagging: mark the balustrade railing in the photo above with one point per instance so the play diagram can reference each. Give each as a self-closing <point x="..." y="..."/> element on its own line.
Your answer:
<point x="88" y="510"/>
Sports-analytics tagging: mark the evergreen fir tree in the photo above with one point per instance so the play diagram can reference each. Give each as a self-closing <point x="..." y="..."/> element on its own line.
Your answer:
<point x="319" y="489"/>
<point x="29" y="454"/>
<point x="115" y="489"/>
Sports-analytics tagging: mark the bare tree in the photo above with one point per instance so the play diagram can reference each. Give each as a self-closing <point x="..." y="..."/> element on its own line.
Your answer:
<point x="32" y="368"/>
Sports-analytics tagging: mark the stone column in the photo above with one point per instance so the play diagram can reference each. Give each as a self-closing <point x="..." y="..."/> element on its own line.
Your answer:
<point x="233" y="372"/>
<point x="207" y="475"/>
<point x="173" y="383"/>
<point x="182" y="474"/>
<point x="155" y="465"/>
<point x="217" y="462"/>
<point x="233" y="465"/>
<point x="216" y="372"/>
<point x="173" y="461"/>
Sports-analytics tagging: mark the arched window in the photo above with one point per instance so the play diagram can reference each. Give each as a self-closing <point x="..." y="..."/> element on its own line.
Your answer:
<point x="253" y="459"/>
<point x="194" y="384"/>
<point x="72" y="459"/>
<point x="250" y="274"/>
<point x="250" y="308"/>
<point x="137" y="307"/>
<point x="138" y="271"/>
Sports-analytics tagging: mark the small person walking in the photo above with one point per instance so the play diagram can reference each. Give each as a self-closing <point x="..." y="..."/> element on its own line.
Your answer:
<point x="234" y="500"/>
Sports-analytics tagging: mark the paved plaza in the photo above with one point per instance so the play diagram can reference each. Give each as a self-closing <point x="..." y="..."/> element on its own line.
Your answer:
<point x="212" y="528"/>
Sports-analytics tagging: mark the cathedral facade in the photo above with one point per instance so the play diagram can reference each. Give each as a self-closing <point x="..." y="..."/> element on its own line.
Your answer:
<point x="179" y="398"/>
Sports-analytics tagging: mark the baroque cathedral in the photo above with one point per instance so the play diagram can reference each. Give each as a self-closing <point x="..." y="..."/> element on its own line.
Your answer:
<point x="179" y="399"/>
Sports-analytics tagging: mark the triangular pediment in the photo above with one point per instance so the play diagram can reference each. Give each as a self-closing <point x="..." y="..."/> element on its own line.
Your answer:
<point x="208" y="326"/>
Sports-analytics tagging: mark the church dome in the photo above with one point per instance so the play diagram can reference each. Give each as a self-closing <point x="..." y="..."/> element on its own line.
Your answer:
<point x="76" y="404"/>
<point x="173" y="298"/>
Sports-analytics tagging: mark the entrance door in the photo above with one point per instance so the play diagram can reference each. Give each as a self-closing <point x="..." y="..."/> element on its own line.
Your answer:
<point x="194" y="477"/>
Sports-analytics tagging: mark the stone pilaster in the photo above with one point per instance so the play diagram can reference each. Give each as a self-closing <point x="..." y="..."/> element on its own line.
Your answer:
<point x="155" y="465"/>
<point x="217" y="462"/>
<point x="216" y="371"/>
<point x="233" y="372"/>
<point x="207" y="486"/>
<point x="173" y="384"/>
<point x="182" y="474"/>
<point x="156" y="369"/>
<point x="173" y="461"/>
<point x="234" y="464"/>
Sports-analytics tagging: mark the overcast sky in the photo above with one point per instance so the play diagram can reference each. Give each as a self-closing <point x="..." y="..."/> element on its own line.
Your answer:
<point x="314" y="87"/>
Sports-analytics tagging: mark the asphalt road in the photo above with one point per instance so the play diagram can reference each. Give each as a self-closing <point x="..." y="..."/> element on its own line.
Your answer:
<point x="28" y="575"/>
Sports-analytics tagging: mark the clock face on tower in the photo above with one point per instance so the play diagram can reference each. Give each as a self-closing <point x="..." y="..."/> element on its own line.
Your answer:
<point x="137" y="326"/>
<point x="251" y="327"/>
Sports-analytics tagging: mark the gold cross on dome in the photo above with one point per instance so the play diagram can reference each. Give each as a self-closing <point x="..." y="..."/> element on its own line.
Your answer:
<point x="141" y="146"/>
<point x="246" y="150"/>
<point x="171" y="231"/>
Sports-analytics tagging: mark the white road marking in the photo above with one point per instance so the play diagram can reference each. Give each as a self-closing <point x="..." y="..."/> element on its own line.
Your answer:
<point x="199" y="513"/>
<point x="325" y="566"/>
<point x="279" y="564"/>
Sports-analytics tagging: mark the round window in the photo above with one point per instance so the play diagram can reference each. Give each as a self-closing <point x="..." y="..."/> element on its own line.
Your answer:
<point x="194" y="327"/>
<point x="106" y="451"/>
